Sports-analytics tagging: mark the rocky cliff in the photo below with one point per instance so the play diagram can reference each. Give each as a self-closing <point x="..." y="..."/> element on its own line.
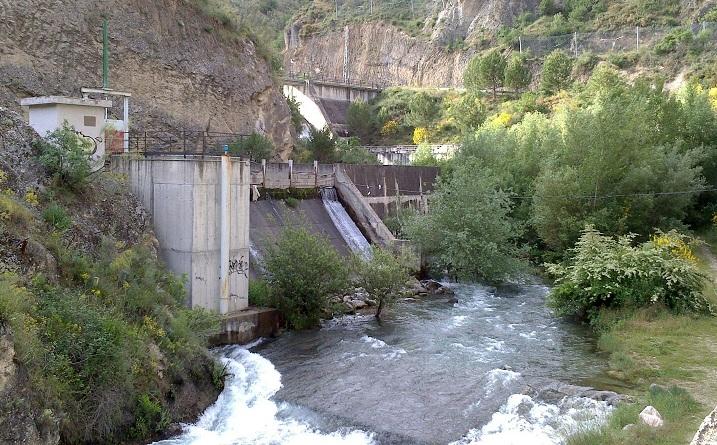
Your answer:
<point x="456" y="20"/>
<point x="377" y="53"/>
<point x="184" y="69"/>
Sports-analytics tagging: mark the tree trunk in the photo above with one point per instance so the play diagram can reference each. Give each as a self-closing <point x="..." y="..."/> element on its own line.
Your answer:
<point x="379" y="308"/>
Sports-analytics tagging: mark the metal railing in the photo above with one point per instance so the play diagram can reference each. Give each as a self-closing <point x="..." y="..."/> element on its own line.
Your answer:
<point x="322" y="79"/>
<point x="181" y="143"/>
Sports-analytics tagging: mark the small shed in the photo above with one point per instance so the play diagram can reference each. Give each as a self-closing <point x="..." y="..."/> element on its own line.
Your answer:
<point x="87" y="116"/>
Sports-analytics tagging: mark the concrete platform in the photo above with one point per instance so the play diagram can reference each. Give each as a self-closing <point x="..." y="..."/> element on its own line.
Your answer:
<point x="246" y="326"/>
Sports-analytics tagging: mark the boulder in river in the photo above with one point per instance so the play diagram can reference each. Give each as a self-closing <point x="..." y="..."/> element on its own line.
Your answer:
<point x="651" y="417"/>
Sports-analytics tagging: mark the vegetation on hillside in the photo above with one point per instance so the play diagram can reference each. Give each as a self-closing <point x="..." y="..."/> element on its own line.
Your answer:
<point x="99" y="326"/>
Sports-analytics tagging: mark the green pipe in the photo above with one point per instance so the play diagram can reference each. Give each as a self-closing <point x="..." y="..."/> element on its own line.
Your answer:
<point x="105" y="54"/>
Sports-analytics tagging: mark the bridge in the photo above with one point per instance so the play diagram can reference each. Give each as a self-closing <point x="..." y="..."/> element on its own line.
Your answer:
<point x="325" y="102"/>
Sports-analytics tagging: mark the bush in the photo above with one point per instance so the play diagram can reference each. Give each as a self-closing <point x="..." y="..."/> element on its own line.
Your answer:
<point x="303" y="270"/>
<point x="255" y="147"/>
<point x="606" y="272"/>
<point x="674" y="40"/>
<point x="297" y="120"/>
<point x="349" y="151"/>
<point x="55" y="216"/>
<point x="259" y="293"/>
<point x="66" y="156"/>
<point x="362" y="122"/>
<point x="321" y="145"/>
<point x="517" y="73"/>
<point x="383" y="276"/>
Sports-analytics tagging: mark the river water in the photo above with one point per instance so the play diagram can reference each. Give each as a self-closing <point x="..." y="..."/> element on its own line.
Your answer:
<point x="430" y="373"/>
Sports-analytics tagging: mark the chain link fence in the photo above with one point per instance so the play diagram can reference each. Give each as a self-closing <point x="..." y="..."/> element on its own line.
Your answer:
<point x="603" y="42"/>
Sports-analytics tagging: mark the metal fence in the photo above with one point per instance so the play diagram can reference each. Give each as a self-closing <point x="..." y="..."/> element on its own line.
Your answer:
<point x="604" y="42"/>
<point x="181" y="143"/>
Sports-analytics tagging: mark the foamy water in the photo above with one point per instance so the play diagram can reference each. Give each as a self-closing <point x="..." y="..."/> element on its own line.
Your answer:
<point x="245" y="412"/>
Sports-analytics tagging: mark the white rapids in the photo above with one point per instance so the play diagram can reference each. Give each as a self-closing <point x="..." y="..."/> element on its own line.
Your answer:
<point x="246" y="414"/>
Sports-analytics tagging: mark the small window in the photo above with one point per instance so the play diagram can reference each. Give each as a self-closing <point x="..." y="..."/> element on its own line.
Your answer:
<point x="90" y="121"/>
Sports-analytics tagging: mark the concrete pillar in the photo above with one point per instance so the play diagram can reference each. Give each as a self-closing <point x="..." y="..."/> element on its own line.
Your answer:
<point x="224" y="230"/>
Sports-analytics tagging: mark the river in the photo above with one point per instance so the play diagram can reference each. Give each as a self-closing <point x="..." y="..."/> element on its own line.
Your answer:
<point x="429" y="373"/>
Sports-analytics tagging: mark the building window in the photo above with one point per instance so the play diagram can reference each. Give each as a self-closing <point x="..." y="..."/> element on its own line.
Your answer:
<point x="90" y="121"/>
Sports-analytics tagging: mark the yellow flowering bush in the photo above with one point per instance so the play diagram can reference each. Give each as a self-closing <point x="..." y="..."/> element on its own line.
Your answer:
<point x="420" y="135"/>
<point x="713" y="97"/>
<point x="31" y="198"/>
<point x="500" y="120"/>
<point x="390" y="127"/>
<point x="676" y="245"/>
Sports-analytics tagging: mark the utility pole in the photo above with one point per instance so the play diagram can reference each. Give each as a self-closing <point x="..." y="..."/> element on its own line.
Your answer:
<point x="337" y="8"/>
<point x="370" y="6"/>
<point x="637" y="33"/>
<point x="105" y="54"/>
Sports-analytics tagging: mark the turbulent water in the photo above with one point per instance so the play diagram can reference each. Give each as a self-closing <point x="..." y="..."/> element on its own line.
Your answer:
<point x="345" y="225"/>
<point x="431" y="373"/>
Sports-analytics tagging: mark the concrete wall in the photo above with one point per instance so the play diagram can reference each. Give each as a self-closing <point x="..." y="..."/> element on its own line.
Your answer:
<point x="290" y="175"/>
<point x="200" y="210"/>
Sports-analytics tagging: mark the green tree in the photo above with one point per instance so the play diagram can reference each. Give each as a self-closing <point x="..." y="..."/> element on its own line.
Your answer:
<point x="468" y="112"/>
<point x="469" y="230"/>
<point x="547" y="7"/>
<point x="556" y="74"/>
<point x="66" y="155"/>
<point x="349" y="151"/>
<point x="383" y="276"/>
<point x="254" y="147"/>
<point x="321" y="145"/>
<point x="517" y="73"/>
<point x="362" y="122"/>
<point x="297" y="120"/>
<point x="303" y="270"/>
<point x="491" y="71"/>
<point x="423" y="110"/>
<point x="471" y="76"/>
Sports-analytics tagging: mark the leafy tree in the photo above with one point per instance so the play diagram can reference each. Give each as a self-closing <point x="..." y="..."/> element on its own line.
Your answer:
<point x="297" y="120"/>
<point x="547" y="7"/>
<point x="423" y="110"/>
<point x="606" y="272"/>
<point x="517" y="73"/>
<point x="66" y="155"/>
<point x="362" y="122"/>
<point x="254" y="147"/>
<point x="468" y="112"/>
<point x="613" y="163"/>
<point x="303" y="270"/>
<point x="491" y="71"/>
<point x="383" y="277"/>
<point x="321" y="145"/>
<point x="471" y="76"/>
<point x="557" y="69"/>
<point x="469" y="230"/>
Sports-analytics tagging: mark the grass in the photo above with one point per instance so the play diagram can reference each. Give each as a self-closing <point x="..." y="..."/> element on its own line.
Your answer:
<point x="654" y="346"/>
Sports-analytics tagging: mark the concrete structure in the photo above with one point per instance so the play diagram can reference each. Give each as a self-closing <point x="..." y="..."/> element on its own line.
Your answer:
<point x="87" y="116"/>
<point x="405" y="154"/>
<point x="326" y="102"/>
<point x="120" y="126"/>
<point x="200" y="210"/>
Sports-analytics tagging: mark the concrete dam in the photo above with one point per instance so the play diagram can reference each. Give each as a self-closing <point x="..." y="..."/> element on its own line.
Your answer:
<point x="214" y="216"/>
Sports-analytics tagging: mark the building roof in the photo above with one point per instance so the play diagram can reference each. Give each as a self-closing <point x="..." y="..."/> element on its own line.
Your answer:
<point x="63" y="100"/>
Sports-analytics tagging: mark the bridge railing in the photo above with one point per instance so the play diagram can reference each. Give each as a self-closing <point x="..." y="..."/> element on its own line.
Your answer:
<point x="186" y="143"/>
<point x="319" y="79"/>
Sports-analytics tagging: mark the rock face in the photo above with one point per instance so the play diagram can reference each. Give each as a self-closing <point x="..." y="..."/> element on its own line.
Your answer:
<point x="185" y="70"/>
<point x="463" y="19"/>
<point x="651" y="417"/>
<point x="377" y="53"/>
<point x="707" y="434"/>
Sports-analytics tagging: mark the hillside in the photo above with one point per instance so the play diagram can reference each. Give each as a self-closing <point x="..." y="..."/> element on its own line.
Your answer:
<point x="186" y="70"/>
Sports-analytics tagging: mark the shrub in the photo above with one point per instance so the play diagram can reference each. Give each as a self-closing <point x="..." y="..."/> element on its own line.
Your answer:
<point x="420" y="135"/>
<point x="254" y="147"/>
<point x="348" y="151"/>
<point x="259" y="293"/>
<point x="674" y="40"/>
<point x="291" y="202"/>
<point x="362" y="122"/>
<point x="467" y="112"/>
<point x="556" y="72"/>
<point x="66" y="156"/>
<point x="383" y="276"/>
<point x="297" y="120"/>
<point x="303" y="270"/>
<point x="55" y="216"/>
<point x="606" y="272"/>
<point x="423" y="110"/>
<point x="321" y="145"/>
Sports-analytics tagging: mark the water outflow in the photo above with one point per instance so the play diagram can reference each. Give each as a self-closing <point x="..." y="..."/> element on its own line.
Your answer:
<point x="345" y="225"/>
<point x="246" y="414"/>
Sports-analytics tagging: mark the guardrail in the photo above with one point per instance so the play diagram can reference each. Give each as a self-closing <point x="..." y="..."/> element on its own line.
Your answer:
<point x="186" y="143"/>
<point x="348" y="83"/>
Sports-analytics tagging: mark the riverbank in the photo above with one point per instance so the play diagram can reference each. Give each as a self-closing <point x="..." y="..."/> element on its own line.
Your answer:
<point x="652" y="346"/>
